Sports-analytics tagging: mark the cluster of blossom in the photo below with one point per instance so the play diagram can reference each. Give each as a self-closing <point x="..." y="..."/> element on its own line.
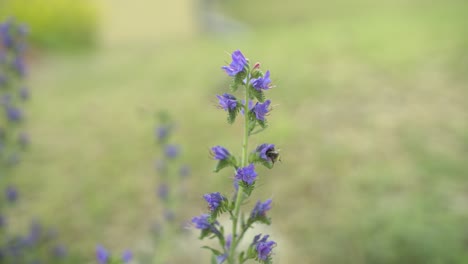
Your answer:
<point x="170" y="188"/>
<point x="260" y="249"/>
<point x="36" y="245"/>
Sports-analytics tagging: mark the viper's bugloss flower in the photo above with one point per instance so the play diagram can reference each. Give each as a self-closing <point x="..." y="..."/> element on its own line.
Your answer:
<point x="11" y="194"/>
<point x="202" y="222"/>
<point x="237" y="65"/>
<point x="260" y="209"/>
<point x="265" y="150"/>
<point x="13" y="114"/>
<point x="127" y="256"/>
<point x="24" y="93"/>
<point x="214" y="200"/>
<point x="172" y="151"/>
<point x="247" y="174"/>
<point x="227" y="101"/>
<point x="263" y="247"/>
<point x="220" y="153"/>
<point x="102" y="255"/>
<point x="261" y="109"/>
<point x="261" y="82"/>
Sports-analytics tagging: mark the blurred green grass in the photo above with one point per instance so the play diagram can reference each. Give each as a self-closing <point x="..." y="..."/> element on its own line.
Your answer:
<point x="370" y="114"/>
<point x="59" y="25"/>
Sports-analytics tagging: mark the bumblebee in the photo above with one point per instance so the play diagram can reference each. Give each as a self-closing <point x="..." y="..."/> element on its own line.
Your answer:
<point x="273" y="155"/>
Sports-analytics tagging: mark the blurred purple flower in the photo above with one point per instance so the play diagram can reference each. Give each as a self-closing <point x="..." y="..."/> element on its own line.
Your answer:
<point x="172" y="151"/>
<point x="260" y="209"/>
<point x="261" y="109"/>
<point x="214" y="200"/>
<point x="227" y="101"/>
<point x="237" y="65"/>
<point x="201" y="222"/>
<point x="262" y="82"/>
<point x="127" y="256"/>
<point x="221" y="258"/>
<point x="11" y="194"/>
<point x="247" y="174"/>
<point x="5" y="34"/>
<point x="220" y="153"/>
<point x="162" y="132"/>
<point x="13" y="114"/>
<point x="263" y="247"/>
<point x="102" y="255"/>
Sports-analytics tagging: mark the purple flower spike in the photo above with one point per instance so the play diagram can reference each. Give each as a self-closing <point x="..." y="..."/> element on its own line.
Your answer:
<point x="227" y="101"/>
<point x="127" y="256"/>
<point x="260" y="209"/>
<point x="247" y="174"/>
<point x="261" y="110"/>
<point x="262" y="82"/>
<point x="220" y="153"/>
<point x="201" y="222"/>
<point x="102" y="255"/>
<point x="237" y="65"/>
<point x="214" y="200"/>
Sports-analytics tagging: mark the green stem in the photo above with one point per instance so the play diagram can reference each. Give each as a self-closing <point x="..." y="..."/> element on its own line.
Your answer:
<point x="240" y="191"/>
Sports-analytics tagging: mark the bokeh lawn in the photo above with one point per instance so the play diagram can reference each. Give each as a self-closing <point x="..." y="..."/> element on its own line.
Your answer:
<point x="370" y="114"/>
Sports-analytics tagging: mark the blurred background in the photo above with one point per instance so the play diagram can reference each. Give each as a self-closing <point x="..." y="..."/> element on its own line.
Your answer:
<point x="371" y="116"/>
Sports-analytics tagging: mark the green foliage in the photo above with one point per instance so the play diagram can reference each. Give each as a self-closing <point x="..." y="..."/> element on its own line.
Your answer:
<point x="55" y="24"/>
